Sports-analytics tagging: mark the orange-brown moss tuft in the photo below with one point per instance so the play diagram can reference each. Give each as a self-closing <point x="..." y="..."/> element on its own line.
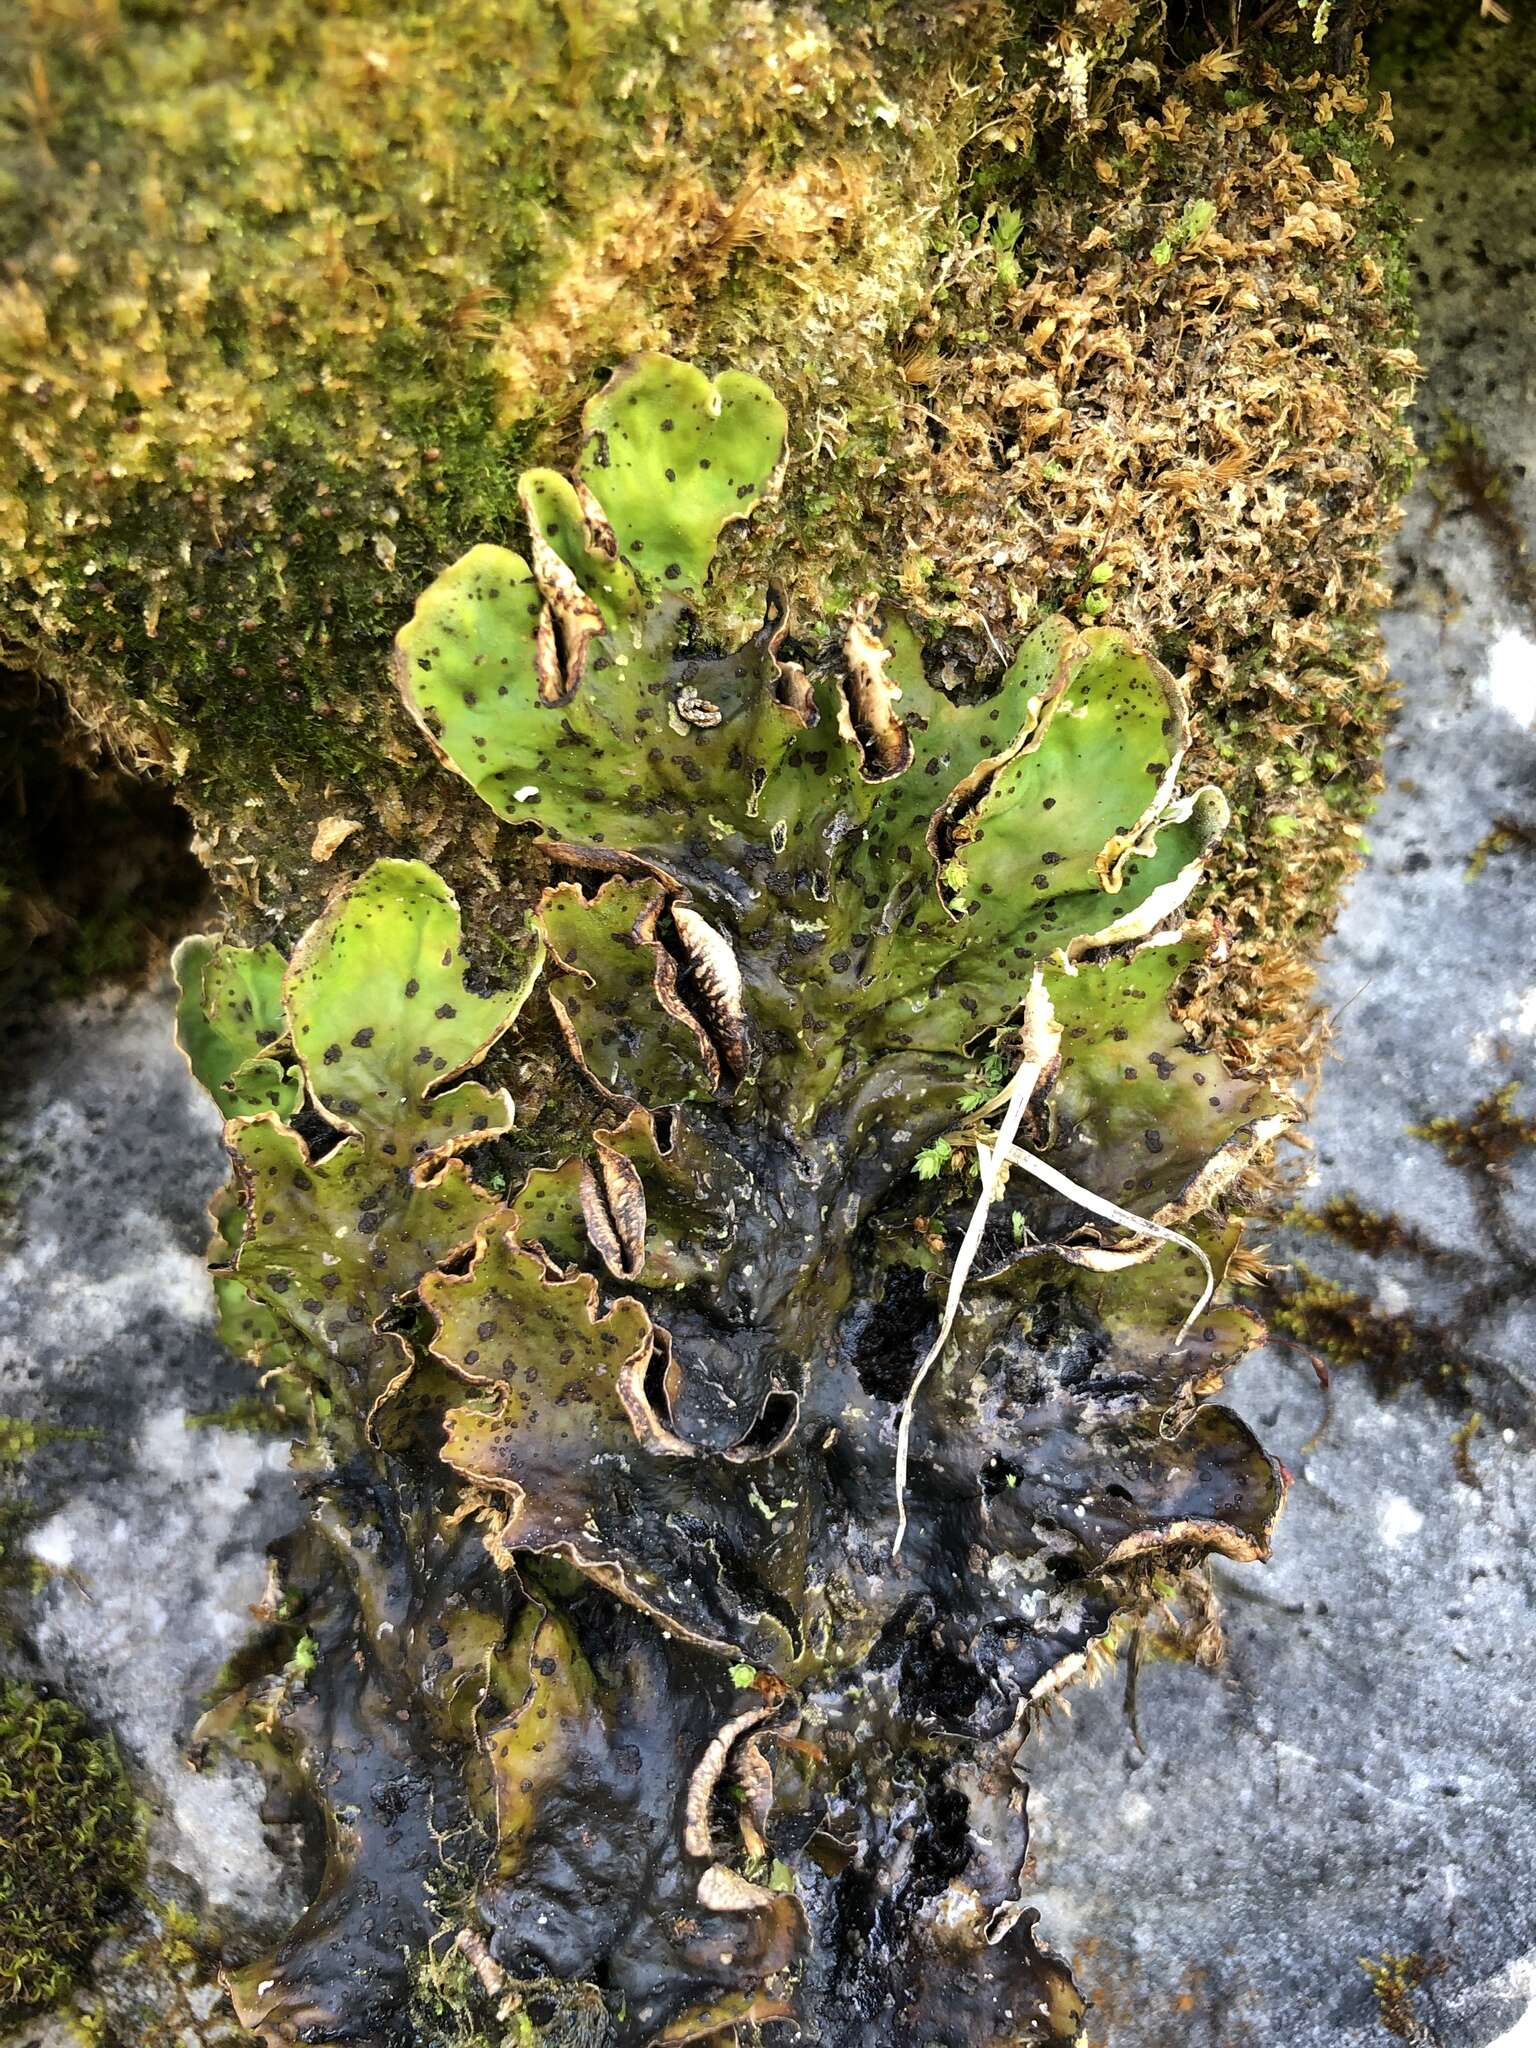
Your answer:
<point x="1395" y="1979"/>
<point x="1487" y="1138"/>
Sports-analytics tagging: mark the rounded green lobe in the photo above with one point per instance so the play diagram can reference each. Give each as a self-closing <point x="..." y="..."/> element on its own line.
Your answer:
<point x="381" y="1014"/>
<point x="1057" y="814"/>
<point x="1140" y="1108"/>
<point x="465" y="661"/>
<point x="673" y="458"/>
<point x="229" y="1010"/>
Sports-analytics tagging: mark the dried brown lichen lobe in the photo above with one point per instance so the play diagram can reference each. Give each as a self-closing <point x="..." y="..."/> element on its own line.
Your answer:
<point x="1060" y="314"/>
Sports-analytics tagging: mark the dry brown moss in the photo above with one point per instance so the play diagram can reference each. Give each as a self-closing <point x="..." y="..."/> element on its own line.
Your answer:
<point x="1179" y="402"/>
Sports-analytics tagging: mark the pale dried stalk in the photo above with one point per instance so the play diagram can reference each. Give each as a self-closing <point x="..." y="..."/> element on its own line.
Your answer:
<point x="1100" y="1205"/>
<point x="995" y="1159"/>
<point x="1041" y="1038"/>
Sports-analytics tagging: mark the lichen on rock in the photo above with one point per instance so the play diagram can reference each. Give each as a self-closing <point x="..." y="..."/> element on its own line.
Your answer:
<point x="606" y="1439"/>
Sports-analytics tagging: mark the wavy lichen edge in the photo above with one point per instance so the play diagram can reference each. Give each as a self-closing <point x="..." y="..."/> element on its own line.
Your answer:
<point x="800" y="898"/>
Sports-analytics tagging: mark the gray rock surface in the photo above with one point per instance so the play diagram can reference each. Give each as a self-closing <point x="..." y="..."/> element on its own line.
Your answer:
<point x="1360" y="1778"/>
<point x="153" y="1530"/>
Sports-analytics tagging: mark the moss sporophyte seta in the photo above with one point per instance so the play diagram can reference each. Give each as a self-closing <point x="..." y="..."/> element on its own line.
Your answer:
<point x="595" y="1656"/>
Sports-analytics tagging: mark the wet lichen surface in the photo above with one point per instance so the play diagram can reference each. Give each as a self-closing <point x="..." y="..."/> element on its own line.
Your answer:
<point x="627" y="1653"/>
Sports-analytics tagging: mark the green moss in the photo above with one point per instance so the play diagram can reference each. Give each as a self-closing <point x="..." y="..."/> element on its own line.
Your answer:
<point x="280" y="330"/>
<point x="1466" y="478"/>
<point x="1485" y="1140"/>
<point x="280" y="325"/>
<point x="19" y="1573"/>
<point x="156" y="1985"/>
<point x="1396" y="1351"/>
<point x="73" y="1851"/>
<point x="1505" y="836"/>
<point x="454" y="2007"/>
<point x="20" y="1437"/>
<point x="257" y="1413"/>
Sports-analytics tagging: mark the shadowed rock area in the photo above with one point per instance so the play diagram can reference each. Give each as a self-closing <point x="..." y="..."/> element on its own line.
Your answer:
<point x="149" y="1523"/>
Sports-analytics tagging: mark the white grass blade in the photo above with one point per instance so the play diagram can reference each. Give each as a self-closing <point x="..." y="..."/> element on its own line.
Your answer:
<point x="1100" y="1205"/>
<point x="1041" y="1039"/>
<point x="995" y="1157"/>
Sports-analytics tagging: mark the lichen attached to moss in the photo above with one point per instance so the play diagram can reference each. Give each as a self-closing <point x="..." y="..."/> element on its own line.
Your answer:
<point x="1049" y="290"/>
<point x="607" y="1480"/>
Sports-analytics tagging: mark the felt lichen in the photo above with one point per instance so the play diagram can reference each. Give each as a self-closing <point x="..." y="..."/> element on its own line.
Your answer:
<point x="278" y="335"/>
<point x="73" y="1849"/>
<point x="638" y="1411"/>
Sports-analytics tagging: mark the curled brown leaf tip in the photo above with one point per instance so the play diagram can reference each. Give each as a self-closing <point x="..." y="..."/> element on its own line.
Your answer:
<point x="714" y="975"/>
<point x="872" y="724"/>
<point x="695" y="709"/>
<point x="724" y="1890"/>
<point x="599" y="534"/>
<point x="568" y="621"/>
<point x="613" y="1208"/>
<point x="707" y="1773"/>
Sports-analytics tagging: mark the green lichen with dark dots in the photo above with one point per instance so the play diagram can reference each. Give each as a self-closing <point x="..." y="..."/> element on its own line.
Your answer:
<point x="606" y="1485"/>
<point x="73" y="1848"/>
